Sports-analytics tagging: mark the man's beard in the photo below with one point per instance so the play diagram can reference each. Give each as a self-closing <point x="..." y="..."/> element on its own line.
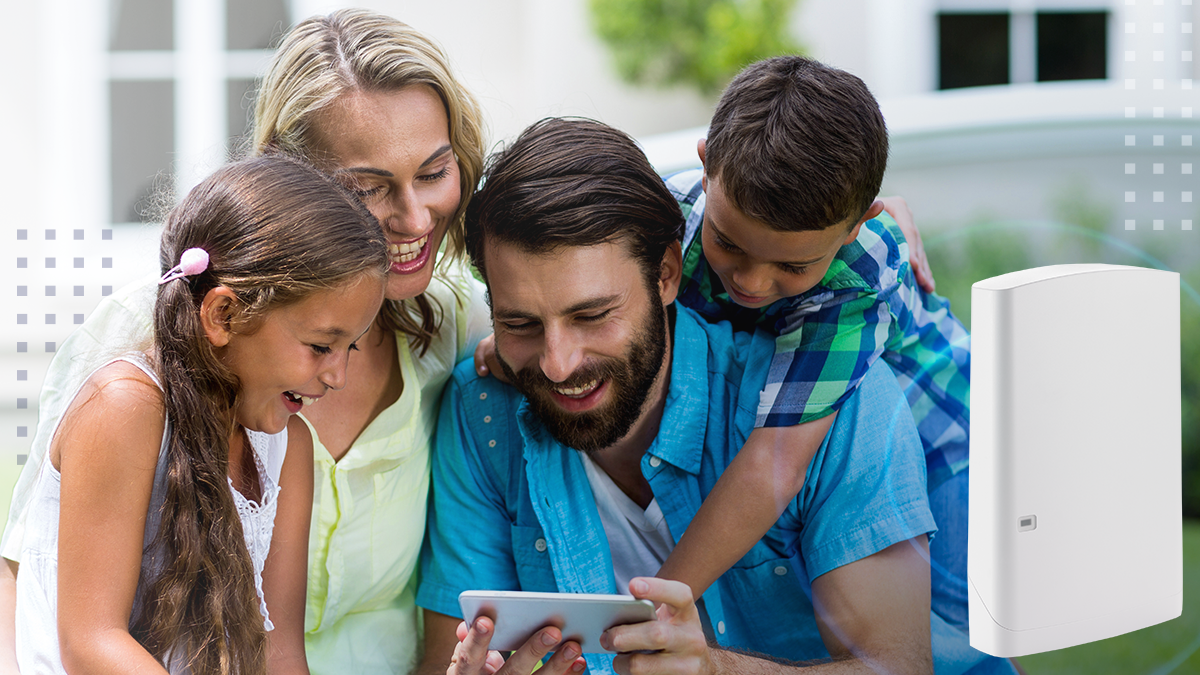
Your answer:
<point x="629" y="379"/>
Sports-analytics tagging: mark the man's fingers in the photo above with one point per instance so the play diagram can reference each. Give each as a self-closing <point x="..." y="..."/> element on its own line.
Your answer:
<point x="471" y="653"/>
<point x="529" y="654"/>
<point x="674" y="594"/>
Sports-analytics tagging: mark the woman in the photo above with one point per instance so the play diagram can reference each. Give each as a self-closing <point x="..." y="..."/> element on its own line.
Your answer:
<point x="373" y="102"/>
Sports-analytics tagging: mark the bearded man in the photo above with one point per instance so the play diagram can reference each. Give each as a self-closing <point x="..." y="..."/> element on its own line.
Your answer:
<point x="623" y="411"/>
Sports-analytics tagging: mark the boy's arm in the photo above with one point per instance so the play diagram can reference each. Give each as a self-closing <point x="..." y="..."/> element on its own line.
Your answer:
<point x="891" y="636"/>
<point x="898" y="209"/>
<point x="763" y="478"/>
<point x="285" y="573"/>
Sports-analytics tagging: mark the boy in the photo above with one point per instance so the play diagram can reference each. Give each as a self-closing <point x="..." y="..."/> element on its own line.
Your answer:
<point x="784" y="231"/>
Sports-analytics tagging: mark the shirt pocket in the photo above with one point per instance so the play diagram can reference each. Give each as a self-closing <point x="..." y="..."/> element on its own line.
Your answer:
<point x="534" y="571"/>
<point x="757" y="600"/>
<point x="397" y="525"/>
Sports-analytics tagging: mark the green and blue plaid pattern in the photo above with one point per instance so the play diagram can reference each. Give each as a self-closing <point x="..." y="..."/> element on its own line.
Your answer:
<point x="867" y="306"/>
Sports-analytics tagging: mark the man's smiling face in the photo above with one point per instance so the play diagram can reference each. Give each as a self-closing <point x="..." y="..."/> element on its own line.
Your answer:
<point x="581" y="332"/>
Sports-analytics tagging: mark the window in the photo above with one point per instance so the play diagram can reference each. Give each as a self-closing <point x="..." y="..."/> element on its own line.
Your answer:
<point x="158" y="135"/>
<point x="982" y="48"/>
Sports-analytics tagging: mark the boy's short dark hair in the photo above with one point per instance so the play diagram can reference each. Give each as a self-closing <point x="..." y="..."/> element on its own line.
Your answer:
<point x="797" y="144"/>
<point x="573" y="182"/>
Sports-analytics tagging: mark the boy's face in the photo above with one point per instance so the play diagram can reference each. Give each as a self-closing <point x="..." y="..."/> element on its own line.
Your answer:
<point x="758" y="264"/>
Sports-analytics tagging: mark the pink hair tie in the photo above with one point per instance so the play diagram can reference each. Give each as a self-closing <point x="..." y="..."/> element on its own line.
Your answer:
<point x="192" y="262"/>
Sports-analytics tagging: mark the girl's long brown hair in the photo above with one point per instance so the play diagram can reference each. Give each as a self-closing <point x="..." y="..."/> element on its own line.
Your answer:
<point x="276" y="230"/>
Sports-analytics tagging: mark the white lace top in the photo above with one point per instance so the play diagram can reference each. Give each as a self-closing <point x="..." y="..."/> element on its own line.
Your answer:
<point x="37" y="584"/>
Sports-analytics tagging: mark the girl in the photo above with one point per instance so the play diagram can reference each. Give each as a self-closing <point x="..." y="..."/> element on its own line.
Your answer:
<point x="168" y="530"/>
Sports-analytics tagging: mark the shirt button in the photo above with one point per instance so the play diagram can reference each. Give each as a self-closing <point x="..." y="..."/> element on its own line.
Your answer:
<point x="483" y="396"/>
<point x="721" y="627"/>
<point x="491" y="444"/>
<point x="487" y="419"/>
<point x="781" y="570"/>
<point x="654" y="461"/>
<point x="540" y="545"/>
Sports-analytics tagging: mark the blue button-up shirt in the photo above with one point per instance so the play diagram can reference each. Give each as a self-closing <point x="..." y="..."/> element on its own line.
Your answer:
<point x="513" y="510"/>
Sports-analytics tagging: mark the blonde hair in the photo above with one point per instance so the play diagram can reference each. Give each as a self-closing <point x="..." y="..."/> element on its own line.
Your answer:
<point x="323" y="58"/>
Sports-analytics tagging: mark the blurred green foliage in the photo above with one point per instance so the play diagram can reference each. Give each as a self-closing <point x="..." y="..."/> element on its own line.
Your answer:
<point x="700" y="43"/>
<point x="987" y="247"/>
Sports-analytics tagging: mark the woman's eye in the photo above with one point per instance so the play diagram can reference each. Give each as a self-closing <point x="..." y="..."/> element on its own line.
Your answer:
<point x="321" y="350"/>
<point x="365" y="192"/>
<point x="353" y="347"/>
<point x="433" y="177"/>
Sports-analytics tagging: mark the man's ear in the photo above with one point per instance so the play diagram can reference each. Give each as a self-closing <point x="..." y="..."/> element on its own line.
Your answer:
<point x="670" y="272"/>
<point x="217" y="314"/>
<point x="874" y="210"/>
<point x="704" y="175"/>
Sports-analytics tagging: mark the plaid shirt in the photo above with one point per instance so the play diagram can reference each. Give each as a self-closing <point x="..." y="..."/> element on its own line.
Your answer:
<point x="867" y="306"/>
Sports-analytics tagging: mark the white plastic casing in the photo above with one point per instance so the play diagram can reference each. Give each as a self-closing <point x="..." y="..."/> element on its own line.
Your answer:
<point x="1076" y="423"/>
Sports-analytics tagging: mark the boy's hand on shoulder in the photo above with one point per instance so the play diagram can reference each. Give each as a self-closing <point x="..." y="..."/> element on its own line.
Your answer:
<point x="898" y="209"/>
<point x="486" y="362"/>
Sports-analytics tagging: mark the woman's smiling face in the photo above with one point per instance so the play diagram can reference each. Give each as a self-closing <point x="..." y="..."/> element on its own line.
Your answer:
<point x="393" y="149"/>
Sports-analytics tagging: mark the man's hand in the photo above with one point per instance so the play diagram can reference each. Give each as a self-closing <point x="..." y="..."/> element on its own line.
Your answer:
<point x="471" y="655"/>
<point x="898" y="209"/>
<point x="673" y="644"/>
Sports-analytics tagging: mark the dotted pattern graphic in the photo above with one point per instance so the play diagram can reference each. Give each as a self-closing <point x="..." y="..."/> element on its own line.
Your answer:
<point x="1160" y="52"/>
<point x="60" y="277"/>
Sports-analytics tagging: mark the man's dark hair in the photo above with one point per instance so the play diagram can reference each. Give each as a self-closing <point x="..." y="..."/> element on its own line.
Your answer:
<point x="797" y="144"/>
<point x="573" y="182"/>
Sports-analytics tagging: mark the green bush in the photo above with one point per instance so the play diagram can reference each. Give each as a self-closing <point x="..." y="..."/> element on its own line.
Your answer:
<point x="700" y="43"/>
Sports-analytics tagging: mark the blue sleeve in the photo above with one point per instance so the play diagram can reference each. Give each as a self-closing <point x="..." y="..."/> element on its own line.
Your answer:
<point x="865" y="488"/>
<point x="468" y="541"/>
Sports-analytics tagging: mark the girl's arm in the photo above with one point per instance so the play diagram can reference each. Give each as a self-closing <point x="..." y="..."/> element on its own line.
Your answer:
<point x="106" y="449"/>
<point x="8" y="609"/>
<point x="286" y="569"/>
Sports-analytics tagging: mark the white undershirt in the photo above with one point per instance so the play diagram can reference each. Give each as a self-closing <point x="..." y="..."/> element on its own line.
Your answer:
<point x="638" y="539"/>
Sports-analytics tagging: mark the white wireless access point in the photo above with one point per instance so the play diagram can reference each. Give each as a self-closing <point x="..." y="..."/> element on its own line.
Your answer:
<point x="1076" y="501"/>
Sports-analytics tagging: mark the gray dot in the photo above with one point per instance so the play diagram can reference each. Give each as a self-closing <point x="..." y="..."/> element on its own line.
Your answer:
<point x="22" y="432"/>
<point x="22" y="375"/>
<point x="78" y="319"/>
<point x="49" y="319"/>
<point x="21" y="459"/>
<point x="22" y="403"/>
<point x="22" y="234"/>
<point x="22" y="263"/>
<point x="49" y="347"/>
<point x="106" y="234"/>
<point x="22" y="319"/>
<point x="78" y="290"/>
<point x="22" y="347"/>
<point x="49" y="291"/>
<point x="106" y="290"/>
<point x="78" y="234"/>
<point x="22" y="291"/>
<point x="49" y="235"/>
<point x="49" y="263"/>
<point x="106" y="262"/>
<point x="78" y="263"/>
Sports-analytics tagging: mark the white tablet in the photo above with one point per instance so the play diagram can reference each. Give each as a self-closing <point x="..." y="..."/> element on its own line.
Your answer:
<point x="581" y="617"/>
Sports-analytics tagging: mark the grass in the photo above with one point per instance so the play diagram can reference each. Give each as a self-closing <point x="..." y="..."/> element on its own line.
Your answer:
<point x="1170" y="647"/>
